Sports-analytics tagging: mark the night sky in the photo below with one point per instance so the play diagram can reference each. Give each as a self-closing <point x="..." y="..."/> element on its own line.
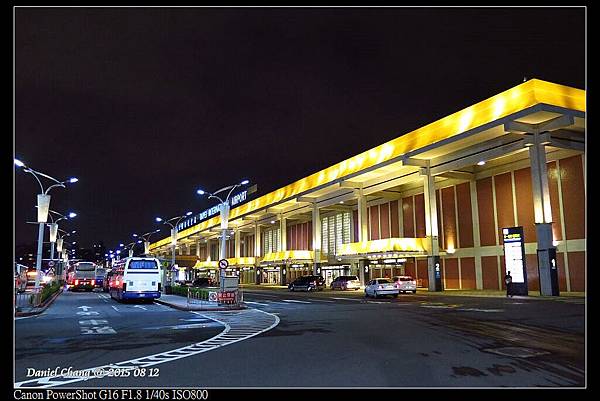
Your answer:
<point x="145" y="105"/>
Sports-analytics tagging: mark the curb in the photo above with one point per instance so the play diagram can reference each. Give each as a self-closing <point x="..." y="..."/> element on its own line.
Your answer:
<point x="185" y="308"/>
<point x="44" y="306"/>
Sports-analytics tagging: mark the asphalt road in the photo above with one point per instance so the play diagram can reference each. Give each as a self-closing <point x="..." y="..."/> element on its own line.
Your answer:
<point x="324" y="339"/>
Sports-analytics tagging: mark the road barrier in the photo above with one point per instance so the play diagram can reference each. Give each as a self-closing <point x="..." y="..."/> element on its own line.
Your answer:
<point x="28" y="299"/>
<point x="227" y="299"/>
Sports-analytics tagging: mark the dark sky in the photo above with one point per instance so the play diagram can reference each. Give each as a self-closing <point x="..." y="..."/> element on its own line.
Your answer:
<point x="144" y="105"/>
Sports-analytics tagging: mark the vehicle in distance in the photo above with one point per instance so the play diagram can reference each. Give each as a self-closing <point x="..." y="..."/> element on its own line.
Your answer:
<point x="381" y="286"/>
<point x="307" y="283"/>
<point x="82" y="276"/>
<point x="405" y="284"/>
<point x="203" y="282"/>
<point x="345" y="283"/>
<point x="100" y="273"/>
<point x="106" y="280"/>
<point x="31" y="274"/>
<point x="20" y="277"/>
<point x="135" y="278"/>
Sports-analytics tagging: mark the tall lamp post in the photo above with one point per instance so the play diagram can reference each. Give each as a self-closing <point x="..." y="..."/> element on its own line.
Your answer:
<point x="43" y="200"/>
<point x="54" y="228"/>
<point x="177" y="220"/>
<point x="146" y="238"/>
<point x="130" y="246"/>
<point x="59" y="247"/>
<point x="224" y="213"/>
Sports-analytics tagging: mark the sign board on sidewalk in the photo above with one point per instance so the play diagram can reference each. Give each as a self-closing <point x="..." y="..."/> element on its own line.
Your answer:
<point x="230" y="283"/>
<point x="514" y="258"/>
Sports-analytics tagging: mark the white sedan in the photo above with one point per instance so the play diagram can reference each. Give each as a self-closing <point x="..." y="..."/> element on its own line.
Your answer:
<point x="380" y="286"/>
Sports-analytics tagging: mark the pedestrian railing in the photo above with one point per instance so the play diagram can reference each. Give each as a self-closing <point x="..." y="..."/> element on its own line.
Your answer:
<point x="215" y="297"/>
<point x="28" y="299"/>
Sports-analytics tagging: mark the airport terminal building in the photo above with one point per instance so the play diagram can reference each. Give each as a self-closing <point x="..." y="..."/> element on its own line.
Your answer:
<point x="439" y="203"/>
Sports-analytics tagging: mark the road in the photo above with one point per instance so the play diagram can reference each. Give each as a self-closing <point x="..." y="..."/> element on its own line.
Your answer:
<point x="324" y="339"/>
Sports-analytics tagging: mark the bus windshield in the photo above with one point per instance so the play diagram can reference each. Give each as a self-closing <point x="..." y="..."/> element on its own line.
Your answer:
<point x="85" y="266"/>
<point x="143" y="264"/>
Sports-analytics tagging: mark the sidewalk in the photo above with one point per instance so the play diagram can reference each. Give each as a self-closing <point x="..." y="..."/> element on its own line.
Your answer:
<point x="179" y="302"/>
<point x="499" y="294"/>
<point x="424" y="291"/>
<point x="39" y="309"/>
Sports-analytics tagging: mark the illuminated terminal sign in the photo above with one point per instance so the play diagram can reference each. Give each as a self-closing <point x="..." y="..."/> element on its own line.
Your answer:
<point x="514" y="258"/>
<point x="205" y="214"/>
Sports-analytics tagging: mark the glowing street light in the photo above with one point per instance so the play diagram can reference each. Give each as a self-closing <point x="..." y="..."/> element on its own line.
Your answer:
<point x="173" y="240"/>
<point x="43" y="206"/>
<point x="224" y="213"/>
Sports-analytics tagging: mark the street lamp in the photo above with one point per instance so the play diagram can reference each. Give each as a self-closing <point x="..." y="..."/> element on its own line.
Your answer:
<point x="173" y="240"/>
<point x="43" y="203"/>
<point x="146" y="238"/>
<point x="224" y="212"/>
<point x="54" y="228"/>
<point x="59" y="247"/>
<point x="130" y="246"/>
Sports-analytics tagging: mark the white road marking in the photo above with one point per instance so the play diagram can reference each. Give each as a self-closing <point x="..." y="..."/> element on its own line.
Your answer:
<point x="255" y="303"/>
<point x="294" y="300"/>
<point x="347" y="299"/>
<point x="239" y="325"/>
<point x="85" y="308"/>
<point x="114" y="307"/>
<point x="319" y="300"/>
<point x="140" y="306"/>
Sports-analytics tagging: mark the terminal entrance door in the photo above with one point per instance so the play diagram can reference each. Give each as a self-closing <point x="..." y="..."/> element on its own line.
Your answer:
<point x="331" y="272"/>
<point x="271" y="276"/>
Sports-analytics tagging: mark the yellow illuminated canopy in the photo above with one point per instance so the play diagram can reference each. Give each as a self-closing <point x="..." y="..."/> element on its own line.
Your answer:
<point x="293" y="256"/>
<point x="383" y="246"/>
<point x="517" y="99"/>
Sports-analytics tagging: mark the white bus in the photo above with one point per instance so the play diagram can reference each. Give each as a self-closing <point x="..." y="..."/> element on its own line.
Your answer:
<point x="135" y="278"/>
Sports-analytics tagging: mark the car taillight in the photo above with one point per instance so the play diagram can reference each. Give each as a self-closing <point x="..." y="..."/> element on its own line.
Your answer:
<point x="93" y="282"/>
<point x="414" y="282"/>
<point x="76" y="282"/>
<point x="116" y="282"/>
<point x="314" y="283"/>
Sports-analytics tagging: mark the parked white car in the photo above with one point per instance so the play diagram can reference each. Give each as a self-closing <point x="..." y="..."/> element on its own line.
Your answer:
<point x="405" y="284"/>
<point x="381" y="286"/>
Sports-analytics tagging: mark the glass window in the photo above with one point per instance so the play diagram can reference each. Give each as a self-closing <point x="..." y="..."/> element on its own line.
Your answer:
<point x="143" y="264"/>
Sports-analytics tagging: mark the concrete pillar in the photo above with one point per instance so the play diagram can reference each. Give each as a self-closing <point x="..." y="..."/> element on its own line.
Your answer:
<point x="282" y="233"/>
<point x="476" y="238"/>
<point x="238" y="244"/>
<point x="188" y="249"/>
<point x="542" y="213"/>
<point x="259" y="271"/>
<point x="431" y="231"/>
<point x="316" y="238"/>
<point x="363" y="275"/>
<point x="198" y="248"/>
<point x="363" y="219"/>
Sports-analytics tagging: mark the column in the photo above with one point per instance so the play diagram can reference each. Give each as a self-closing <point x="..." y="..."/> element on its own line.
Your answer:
<point x="363" y="234"/>
<point x="476" y="237"/>
<point x="283" y="247"/>
<point x="238" y="244"/>
<point x="198" y="248"/>
<point x="259" y="271"/>
<point x="431" y="231"/>
<point x="363" y="219"/>
<point x="316" y="238"/>
<point x="546" y="252"/>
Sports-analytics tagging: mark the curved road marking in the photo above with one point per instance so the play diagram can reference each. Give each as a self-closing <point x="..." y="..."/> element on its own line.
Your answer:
<point x="239" y="326"/>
